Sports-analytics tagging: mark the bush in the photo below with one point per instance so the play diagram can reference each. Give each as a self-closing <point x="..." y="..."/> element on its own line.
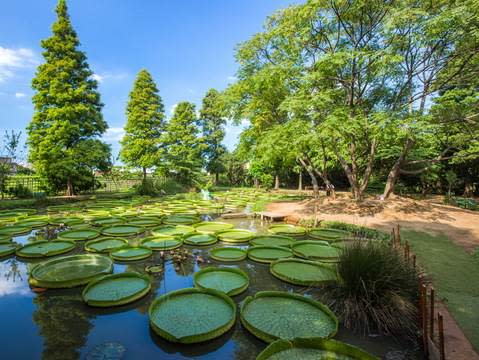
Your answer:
<point x="20" y="191"/>
<point x="357" y="231"/>
<point x="377" y="290"/>
<point x="158" y="186"/>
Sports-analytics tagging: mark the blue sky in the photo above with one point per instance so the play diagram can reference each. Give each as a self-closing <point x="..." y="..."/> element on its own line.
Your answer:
<point x="187" y="45"/>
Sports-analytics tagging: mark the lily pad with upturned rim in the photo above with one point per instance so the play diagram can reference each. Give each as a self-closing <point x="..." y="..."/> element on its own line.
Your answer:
<point x="181" y="219"/>
<point x="315" y="250"/>
<point x="131" y="253"/>
<point x="235" y="235"/>
<point x="212" y="227"/>
<point x="144" y="221"/>
<point x="228" y="254"/>
<point x="5" y="238"/>
<point x="231" y="281"/>
<point x="67" y="221"/>
<point x="107" y="221"/>
<point x="70" y="271"/>
<point x="159" y="243"/>
<point x="106" y="244"/>
<point x="15" y="230"/>
<point x="172" y="230"/>
<point x="313" y="349"/>
<point x="122" y="230"/>
<point x="267" y="254"/>
<point x="328" y="234"/>
<point x="200" y="239"/>
<point x="272" y="240"/>
<point x="192" y="315"/>
<point x="7" y="249"/>
<point x="272" y="315"/>
<point x="303" y="272"/>
<point x="45" y="248"/>
<point x="116" y="289"/>
<point x="287" y="229"/>
<point x="78" y="235"/>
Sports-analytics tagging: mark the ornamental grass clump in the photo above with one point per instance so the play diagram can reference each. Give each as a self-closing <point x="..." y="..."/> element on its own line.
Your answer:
<point x="377" y="290"/>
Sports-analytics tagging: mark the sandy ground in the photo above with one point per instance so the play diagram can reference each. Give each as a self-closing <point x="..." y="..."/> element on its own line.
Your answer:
<point x="459" y="225"/>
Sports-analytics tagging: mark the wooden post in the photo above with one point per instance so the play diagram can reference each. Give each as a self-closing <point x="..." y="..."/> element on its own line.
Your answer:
<point x="398" y="233"/>
<point x="431" y="315"/>
<point x="414" y="261"/>
<point x="424" y="320"/>
<point x="440" y="325"/>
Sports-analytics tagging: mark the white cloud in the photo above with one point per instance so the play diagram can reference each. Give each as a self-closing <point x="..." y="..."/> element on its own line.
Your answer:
<point x="19" y="95"/>
<point x="172" y="108"/>
<point x="12" y="60"/>
<point x="231" y="78"/>
<point x="97" y="77"/>
<point x="107" y="76"/>
<point x="114" y="134"/>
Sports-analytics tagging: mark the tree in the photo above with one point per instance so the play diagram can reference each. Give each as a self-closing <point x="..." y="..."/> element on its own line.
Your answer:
<point x="67" y="110"/>
<point x="183" y="147"/>
<point x="145" y="125"/>
<point x="11" y="144"/>
<point x="211" y="123"/>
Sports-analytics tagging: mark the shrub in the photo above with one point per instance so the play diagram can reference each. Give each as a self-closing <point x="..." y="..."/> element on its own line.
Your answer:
<point x="158" y="186"/>
<point x="20" y="191"/>
<point x="377" y="290"/>
<point x="357" y="230"/>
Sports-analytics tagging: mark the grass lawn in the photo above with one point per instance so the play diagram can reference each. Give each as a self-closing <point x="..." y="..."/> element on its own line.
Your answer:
<point x="455" y="275"/>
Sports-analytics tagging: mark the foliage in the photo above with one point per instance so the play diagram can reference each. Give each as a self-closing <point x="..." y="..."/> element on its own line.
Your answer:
<point x="67" y="121"/>
<point x="145" y="124"/>
<point x="361" y="232"/>
<point x="20" y="191"/>
<point x="377" y="290"/>
<point x="158" y="186"/>
<point x="11" y="143"/>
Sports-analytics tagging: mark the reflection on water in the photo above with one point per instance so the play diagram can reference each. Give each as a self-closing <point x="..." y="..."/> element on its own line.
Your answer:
<point x="58" y="325"/>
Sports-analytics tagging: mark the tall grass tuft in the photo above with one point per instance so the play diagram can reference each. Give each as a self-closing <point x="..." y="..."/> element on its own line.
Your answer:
<point x="377" y="290"/>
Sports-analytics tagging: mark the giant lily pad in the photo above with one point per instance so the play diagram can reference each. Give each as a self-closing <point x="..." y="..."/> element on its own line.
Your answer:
<point x="107" y="221"/>
<point x="45" y="248"/>
<point x="302" y="272"/>
<point x="315" y="250"/>
<point x="7" y="249"/>
<point x="34" y="222"/>
<point x="144" y="221"/>
<point x="78" y="234"/>
<point x="272" y="315"/>
<point x="313" y="349"/>
<point x="231" y="281"/>
<point x="131" y="253"/>
<point x="161" y="242"/>
<point x="122" y="230"/>
<point x="328" y="234"/>
<point x="228" y="254"/>
<point x="192" y="315"/>
<point x="200" y="239"/>
<point x="5" y="238"/>
<point x="267" y="254"/>
<point x="67" y="221"/>
<point x="116" y="289"/>
<point x="70" y="271"/>
<point x="272" y="240"/>
<point x="287" y="229"/>
<point x="14" y="230"/>
<point x="106" y="244"/>
<point x="211" y="227"/>
<point x="181" y="219"/>
<point x="235" y="236"/>
<point x="172" y="230"/>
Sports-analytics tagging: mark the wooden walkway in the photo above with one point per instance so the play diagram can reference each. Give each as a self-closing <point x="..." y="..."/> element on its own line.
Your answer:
<point x="271" y="216"/>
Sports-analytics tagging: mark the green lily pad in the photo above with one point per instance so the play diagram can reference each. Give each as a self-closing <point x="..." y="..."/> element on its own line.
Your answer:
<point x="172" y="230"/>
<point x="14" y="230"/>
<point x="122" y="230"/>
<point x="315" y="250"/>
<point x="70" y="271"/>
<point x="303" y="272"/>
<point x="116" y="289"/>
<point x="67" y="221"/>
<point x="78" y="234"/>
<point x="287" y="229"/>
<point x="211" y="227"/>
<point x="313" y="349"/>
<point x="228" y="254"/>
<point x="181" y="219"/>
<point x="272" y="240"/>
<point x="45" y="248"/>
<point x="328" y="234"/>
<point x="200" y="239"/>
<point x="144" y="221"/>
<point x="131" y="253"/>
<point x="272" y="315"/>
<point x="192" y="315"/>
<point x="32" y="223"/>
<point x="235" y="236"/>
<point x="267" y="254"/>
<point x="5" y="238"/>
<point x="105" y="245"/>
<point x="107" y="221"/>
<point x="7" y="249"/>
<point x="161" y="242"/>
<point x="231" y="281"/>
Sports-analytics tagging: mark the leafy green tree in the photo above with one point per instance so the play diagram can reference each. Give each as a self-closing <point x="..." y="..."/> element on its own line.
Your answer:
<point x="11" y="144"/>
<point x="145" y="125"/>
<point x="183" y="146"/>
<point x="67" y="110"/>
<point x="212" y="120"/>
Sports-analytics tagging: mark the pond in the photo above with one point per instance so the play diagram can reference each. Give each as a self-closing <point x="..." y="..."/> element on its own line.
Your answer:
<point x="57" y="324"/>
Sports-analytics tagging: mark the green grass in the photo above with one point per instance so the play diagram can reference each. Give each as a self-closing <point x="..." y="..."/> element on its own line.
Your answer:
<point x="455" y="275"/>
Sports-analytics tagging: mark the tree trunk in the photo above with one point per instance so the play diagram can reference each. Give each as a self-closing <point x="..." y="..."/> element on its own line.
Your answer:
<point x="396" y="170"/>
<point x="69" y="187"/>
<point x="276" y="182"/>
<point x="144" y="174"/>
<point x="314" y="181"/>
<point x="217" y="178"/>
<point x="300" y="181"/>
<point x="468" y="188"/>
<point x="256" y="183"/>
